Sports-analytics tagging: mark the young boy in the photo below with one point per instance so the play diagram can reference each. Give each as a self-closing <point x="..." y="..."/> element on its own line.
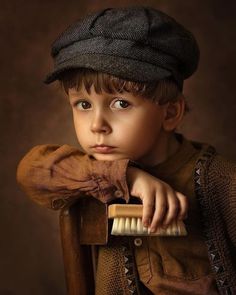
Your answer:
<point x="123" y="71"/>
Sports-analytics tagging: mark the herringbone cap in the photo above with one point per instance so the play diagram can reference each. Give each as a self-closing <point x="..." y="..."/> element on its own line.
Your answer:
<point x="136" y="43"/>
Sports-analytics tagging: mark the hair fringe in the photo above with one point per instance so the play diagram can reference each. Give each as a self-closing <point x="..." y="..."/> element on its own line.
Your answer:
<point x="161" y="91"/>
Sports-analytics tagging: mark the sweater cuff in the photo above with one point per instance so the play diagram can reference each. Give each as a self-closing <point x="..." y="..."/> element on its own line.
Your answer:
<point x="111" y="179"/>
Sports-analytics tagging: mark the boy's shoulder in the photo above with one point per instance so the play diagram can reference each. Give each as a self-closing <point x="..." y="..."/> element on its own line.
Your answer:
<point x="215" y="175"/>
<point x="209" y="156"/>
<point x="213" y="170"/>
<point x="223" y="167"/>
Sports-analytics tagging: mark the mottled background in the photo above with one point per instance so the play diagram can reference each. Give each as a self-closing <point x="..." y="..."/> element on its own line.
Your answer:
<point x="32" y="113"/>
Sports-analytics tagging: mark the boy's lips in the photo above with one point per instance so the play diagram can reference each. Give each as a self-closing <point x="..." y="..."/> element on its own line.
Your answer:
<point x="102" y="148"/>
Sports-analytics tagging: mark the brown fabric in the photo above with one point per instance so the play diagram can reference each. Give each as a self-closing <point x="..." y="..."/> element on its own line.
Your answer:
<point x="55" y="176"/>
<point x="116" y="271"/>
<point x="106" y="281"/>
<point x="215" y="183"/>
<point x="178" y="265"/>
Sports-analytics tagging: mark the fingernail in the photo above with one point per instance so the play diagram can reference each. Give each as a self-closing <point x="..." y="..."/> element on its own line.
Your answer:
<point x="145" y="223"/>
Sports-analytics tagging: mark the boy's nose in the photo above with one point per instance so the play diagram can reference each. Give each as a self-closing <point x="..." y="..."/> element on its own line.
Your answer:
<point x="100" y="125"/>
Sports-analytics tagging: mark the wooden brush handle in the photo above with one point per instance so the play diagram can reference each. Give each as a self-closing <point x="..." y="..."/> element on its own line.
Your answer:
<point x="125" y="210"/>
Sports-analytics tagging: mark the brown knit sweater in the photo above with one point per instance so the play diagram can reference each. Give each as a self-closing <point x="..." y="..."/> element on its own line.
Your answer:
<point x="215" y="186"/>
<point x="56" y="176"/>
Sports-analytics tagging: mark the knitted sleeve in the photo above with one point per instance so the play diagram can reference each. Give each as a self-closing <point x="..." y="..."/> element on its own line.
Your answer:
<point x="227" y="188"/>
<point x="224" y="174"/>
<point x="55" y="176"/>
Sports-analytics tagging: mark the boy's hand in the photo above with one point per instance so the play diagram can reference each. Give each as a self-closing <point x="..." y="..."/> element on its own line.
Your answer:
<point x="161" y="204"/>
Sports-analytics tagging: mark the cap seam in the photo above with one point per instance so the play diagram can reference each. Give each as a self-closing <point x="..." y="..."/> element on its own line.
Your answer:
<point x="142" y="42"/>
<point x="124" y="57"/>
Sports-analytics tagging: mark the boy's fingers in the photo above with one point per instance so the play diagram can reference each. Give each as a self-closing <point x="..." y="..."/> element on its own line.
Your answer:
<point x="183" y="210"/>
<point x="148" y="209"/>
<point x="160" y="210"/>
<point x="173" y="208"/>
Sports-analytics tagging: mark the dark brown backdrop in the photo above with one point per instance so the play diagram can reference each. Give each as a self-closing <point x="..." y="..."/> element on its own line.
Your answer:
<point x="32" y="113"/>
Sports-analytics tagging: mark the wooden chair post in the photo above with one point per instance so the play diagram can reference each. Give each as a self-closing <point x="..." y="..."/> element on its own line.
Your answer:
<point x="84" y="225"/>
<point x="77" y="258"/>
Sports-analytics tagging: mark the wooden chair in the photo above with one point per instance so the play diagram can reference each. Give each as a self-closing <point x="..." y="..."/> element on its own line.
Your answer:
<point x="79" y="243"/>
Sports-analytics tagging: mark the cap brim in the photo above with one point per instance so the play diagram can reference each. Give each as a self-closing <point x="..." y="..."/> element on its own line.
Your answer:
<point x="125" y="68"/>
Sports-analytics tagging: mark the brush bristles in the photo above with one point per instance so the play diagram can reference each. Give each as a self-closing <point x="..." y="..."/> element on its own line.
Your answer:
<point x="127" y="221"/>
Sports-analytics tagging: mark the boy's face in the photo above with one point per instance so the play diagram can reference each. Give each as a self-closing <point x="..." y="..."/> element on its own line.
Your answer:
<point x="118" y="126"/>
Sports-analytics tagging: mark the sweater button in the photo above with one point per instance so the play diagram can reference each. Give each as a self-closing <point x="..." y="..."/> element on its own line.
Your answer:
<point x="118" y="194"/>
<point x="138" y="242"/>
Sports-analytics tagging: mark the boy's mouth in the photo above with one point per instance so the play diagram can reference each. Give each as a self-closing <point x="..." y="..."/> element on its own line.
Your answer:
<point x="103" y="149"/>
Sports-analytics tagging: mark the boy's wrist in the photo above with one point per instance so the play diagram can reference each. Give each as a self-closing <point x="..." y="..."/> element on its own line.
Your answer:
<point x="132" y="173"/>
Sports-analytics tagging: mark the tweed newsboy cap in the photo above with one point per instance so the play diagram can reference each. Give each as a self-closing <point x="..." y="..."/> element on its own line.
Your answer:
<point x="140" y="44"/>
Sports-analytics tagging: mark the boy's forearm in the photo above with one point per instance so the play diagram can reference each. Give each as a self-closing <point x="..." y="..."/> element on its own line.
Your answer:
<point x="55" y="176"/>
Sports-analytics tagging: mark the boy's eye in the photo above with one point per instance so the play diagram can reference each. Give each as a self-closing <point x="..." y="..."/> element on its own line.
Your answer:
<point x="121" y="104"/>
<point x="83" y="105"/>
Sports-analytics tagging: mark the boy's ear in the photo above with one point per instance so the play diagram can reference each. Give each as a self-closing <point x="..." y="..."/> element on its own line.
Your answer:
<point x="174" y="113"/>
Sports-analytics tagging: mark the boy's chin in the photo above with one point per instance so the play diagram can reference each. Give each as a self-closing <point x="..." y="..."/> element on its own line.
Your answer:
<point x="109" y="157"/>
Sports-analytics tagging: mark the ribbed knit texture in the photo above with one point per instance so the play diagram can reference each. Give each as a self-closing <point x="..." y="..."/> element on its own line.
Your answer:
<point x="215" y="180"/>
<point x="116" y="274"/>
